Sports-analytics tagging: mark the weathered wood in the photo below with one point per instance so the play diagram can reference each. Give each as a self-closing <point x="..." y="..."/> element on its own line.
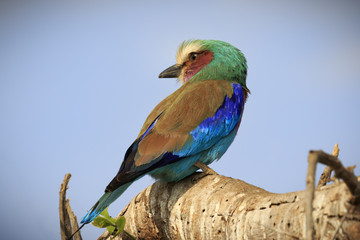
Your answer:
<point x="219" y="207"/>
<point x="68" y="220"/>
<point x="65" y="224"/>
<point x="340" y="172"/>
<point x="325" y="176"/>
<point x="309" y="197"/>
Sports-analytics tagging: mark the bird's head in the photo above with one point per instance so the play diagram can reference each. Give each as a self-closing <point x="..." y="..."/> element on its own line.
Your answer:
<point x="198" y="60"/>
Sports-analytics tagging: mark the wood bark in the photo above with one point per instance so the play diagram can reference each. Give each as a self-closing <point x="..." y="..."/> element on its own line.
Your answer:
<point x="205" y="206"/>
<point x="68" y="220"/>
<point x="218" y="207"/>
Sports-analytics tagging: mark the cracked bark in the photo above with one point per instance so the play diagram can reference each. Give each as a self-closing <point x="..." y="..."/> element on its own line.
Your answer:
<point x="68" y="220"/>
<point x="219" y="207"/>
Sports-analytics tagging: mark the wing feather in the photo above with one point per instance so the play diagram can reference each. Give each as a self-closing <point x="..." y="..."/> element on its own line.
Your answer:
<point x="189" y="121"/>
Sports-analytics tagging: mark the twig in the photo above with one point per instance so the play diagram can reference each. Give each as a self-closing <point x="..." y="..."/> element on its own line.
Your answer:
<point x="340" y="172"/>
<point x="67" y="217"/>
<point x="342" y="221"/>
<point x="65" y="224"/>
<point x="325" y="176"/>
<point x="309" y="197"/>
<point x="129" y="235"/>
<point x="73" y="220"/>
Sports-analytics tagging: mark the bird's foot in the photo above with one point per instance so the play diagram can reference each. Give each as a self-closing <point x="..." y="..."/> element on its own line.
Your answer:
<point x="205" y="168"/>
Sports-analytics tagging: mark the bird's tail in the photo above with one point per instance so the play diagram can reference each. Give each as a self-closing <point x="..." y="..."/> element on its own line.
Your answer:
<point x="106" y="199"/>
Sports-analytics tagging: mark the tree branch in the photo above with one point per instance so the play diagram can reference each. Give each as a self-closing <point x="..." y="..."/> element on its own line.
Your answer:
<point x="73" y="220"/>
<point x="65" y="225"/>
<point x="68" y="221"/>
<point x="325" y="176"/>
<point x="218" y="207"/>
<point x="310" y="187"/>
<point x="340" y="172"/>
<point x="206" y="206"/>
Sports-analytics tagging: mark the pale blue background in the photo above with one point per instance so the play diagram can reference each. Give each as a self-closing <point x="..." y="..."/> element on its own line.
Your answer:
<point x="78" y="79"/>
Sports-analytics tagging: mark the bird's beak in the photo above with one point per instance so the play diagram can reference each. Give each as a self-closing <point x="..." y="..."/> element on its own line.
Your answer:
<point x="172" y="72"/>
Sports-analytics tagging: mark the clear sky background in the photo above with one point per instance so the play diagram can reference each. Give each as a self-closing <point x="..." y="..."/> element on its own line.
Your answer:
<point x="77" y="81"/>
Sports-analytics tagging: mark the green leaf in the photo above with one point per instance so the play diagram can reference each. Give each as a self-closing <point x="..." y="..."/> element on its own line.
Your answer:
<point x="120" y="223"/>
<point x="102" y="222"/>
<point x="105" y="213"/>
<point x="110" y="229"/>
<point x="111" y="224"/>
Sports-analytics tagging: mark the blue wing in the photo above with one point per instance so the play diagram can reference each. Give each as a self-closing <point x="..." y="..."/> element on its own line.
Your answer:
<point x="210" y="138"/>
<point x="209" y="132"/>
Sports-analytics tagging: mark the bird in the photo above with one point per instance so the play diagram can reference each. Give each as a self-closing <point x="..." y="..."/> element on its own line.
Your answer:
<point x="190" y="128"/>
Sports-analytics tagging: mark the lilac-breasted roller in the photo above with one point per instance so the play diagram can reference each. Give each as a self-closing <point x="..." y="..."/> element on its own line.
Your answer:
<point x="195" y="124"/>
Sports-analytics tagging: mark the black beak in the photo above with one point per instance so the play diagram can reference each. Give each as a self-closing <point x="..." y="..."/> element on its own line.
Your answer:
<point x="171" y="72"/>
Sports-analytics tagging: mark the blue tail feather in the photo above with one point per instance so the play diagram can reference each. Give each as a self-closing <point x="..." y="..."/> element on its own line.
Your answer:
<point x="106" y="199"/>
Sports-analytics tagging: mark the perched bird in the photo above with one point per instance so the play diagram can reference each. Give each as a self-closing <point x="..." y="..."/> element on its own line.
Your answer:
<point x="193" y="126"/>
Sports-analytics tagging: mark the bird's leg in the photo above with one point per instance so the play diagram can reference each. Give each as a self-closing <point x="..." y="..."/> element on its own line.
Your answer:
<point x="205" y="168"/>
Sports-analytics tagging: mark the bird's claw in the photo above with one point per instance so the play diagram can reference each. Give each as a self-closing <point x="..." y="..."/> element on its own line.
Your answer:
<point x="205" y="168"/>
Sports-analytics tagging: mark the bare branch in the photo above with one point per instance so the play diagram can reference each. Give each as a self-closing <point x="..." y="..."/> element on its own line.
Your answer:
<point x="349" y="178"/>
<point x="65" y="224"/>
<point x="325" y="176"/>
<point x="73" y="220"/>
<point x="218" y="207"/>
<point x="342" y="221"/>
<point x="310" y="187"/>
<point x="68" y="221"/>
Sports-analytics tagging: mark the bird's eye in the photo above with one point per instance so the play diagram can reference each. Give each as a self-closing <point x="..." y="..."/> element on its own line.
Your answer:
<point x="193" y="56"/>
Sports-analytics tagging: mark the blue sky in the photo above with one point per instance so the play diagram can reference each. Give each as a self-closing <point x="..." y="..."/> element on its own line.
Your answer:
<point x="77" y="81"/>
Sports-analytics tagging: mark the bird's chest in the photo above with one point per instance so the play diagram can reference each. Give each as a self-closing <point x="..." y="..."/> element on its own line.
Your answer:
<point x="225" y="119"/>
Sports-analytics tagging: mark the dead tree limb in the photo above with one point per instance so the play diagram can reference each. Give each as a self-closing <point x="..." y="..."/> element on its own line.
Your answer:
<point x="73" y="220"/>
<point x="310" y="187"/>
<point x="68" y="221"/>
<point x="325" y="176"/>
<point x="340" y="172"/>
<point x="218" y="207"/>
<point x="65" y="225"/>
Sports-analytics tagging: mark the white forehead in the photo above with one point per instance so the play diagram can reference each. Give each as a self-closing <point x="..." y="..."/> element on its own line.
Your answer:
<point x="184" y="50"/>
